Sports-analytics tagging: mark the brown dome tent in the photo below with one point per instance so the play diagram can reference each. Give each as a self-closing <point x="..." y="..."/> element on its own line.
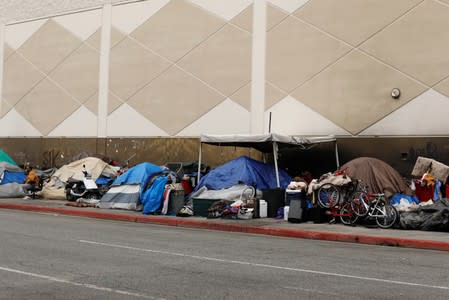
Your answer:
<point x="378" y="175"/>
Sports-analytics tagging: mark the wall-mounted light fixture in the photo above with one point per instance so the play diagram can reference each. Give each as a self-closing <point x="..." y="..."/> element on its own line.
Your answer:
<point x="395" y="93"/>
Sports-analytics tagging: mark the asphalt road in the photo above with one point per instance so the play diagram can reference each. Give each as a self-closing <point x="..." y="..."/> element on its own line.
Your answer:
<point x="44" y="256"/>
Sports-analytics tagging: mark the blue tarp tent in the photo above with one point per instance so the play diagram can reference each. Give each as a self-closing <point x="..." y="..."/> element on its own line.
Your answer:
<point x="244" y="170"/>
<point x="128" y="189"/>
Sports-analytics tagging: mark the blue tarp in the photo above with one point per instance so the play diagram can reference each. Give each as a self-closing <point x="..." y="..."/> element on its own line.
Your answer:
<point x="152" y="198"/>
<point x="9" y="177"/>
<point x="244" y="170"/>
<point x="139" y="174"/>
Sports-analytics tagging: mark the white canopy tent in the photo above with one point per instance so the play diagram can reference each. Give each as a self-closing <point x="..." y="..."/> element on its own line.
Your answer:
<point x="265" y="143"/>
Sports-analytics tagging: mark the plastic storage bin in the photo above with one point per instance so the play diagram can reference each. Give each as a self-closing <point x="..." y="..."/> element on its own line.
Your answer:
<point x="263" y="209"/>
<point x="201" y="206"/>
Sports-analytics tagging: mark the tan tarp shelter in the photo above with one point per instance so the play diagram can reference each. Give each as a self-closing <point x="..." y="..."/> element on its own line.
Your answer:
<point x="54" y="189"/>
<point x="378" y="175"/>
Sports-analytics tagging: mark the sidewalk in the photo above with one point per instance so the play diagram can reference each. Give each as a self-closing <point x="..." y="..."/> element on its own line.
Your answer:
<point x="268" y="226"/>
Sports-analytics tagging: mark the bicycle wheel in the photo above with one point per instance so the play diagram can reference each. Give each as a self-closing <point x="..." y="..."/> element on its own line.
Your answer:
<point x="388" y="217"/>
<point x="347" y="215"/>
<point x="328" y="195"/>
<point x="360" y="204"/>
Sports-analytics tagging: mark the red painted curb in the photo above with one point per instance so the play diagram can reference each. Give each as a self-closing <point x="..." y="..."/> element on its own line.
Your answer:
<point x="238" y="227"/>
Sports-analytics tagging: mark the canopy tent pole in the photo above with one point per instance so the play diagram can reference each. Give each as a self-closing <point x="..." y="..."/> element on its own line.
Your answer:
<point x="337" y="159"/>
<point x="199" y="163"/>
<point x="275" y="156"/>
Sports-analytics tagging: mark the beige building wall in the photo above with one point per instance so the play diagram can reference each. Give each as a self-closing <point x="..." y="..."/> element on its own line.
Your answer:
<point x="179" y="68"/>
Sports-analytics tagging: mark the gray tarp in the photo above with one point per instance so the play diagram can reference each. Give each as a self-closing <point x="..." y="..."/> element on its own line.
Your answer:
<point x="11" y="190"/>
<point x="264" y="142"/>
<point x="427" y="217"/>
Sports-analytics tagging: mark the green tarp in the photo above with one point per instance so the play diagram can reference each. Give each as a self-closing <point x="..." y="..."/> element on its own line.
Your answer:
<point x="6" y="158"/>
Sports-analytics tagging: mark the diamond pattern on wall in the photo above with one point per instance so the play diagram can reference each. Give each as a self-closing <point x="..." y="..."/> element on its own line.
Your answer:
<point x="355" y="100"/>
<point x="212" y="122"/>
<point x="95" y="39"/>
<point x="223" y="61"/>
<point x="443" y="87"/>
<point x="17" y="34"/>
<point x="225" y="9"/>
<point x="6" y="107"/>
<point x="243" y="96"/>
<point x="46" y="106"/>
<point x="245" y="19"/>
<point x="113" y="103"/>
<point x="290" y="116"/>
<point x="132" y="67"/>
<point x="176" y="28"/>
<point x="353" y="20"/>
<point x="84" y="65"/>
<point x="289" y="5"/>
<point x="128" y="17"/>
<point x="49" y="46"/>
<point x="82" y="24"/>
<point x="429" y="103"/>
<point x="170" y="108"/>
<point x="13" y="124"/>
<point x="417" y="44"/>
<point x="19" y="78"/>
<point x="272" y="96"/>
<point x="290" y="48"/>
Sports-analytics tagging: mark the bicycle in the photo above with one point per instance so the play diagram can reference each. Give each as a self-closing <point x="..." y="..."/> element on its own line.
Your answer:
<point x="338" y="199"/>
<point x="374" y="206"/>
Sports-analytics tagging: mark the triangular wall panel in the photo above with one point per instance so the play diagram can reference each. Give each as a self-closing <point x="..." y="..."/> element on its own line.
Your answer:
<point x="224" y="9"/>
<point x="81" y="123"/>
<point x="83" y="25"/>
<point x="17" y="34"/>
<point x="289" y="5"/>
<point x="427" y="114"/>
<point x="290" y="116"/>
<point x="227" y="117"/>
<point x="125" y="121"/>
<point x="13" y="124"/>
<point x="128" y="17"/>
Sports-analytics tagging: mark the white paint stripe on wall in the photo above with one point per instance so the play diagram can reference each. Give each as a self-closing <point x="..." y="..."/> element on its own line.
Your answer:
<point x="103" y="86"/>
<point x="2" y="53"/>
<point x="258" y="66"/>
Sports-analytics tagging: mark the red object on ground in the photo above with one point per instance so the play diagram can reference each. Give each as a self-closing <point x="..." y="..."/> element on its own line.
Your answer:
<point x="424" y="193"/>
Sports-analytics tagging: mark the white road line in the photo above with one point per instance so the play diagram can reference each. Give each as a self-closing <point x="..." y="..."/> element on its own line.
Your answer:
<point x="85" y="285"/>
<point x="267" y="266"/>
